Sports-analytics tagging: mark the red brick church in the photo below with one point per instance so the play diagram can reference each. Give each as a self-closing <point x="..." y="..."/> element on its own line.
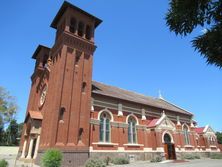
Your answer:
<point x="84" y="118"/>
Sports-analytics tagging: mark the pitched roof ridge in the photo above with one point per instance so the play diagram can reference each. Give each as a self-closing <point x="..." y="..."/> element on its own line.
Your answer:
<point x="176" y="106"/>
<point x="131" y="91"/>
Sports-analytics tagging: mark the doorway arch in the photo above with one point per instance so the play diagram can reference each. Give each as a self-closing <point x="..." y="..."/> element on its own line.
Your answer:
<point x="169" y="147"/>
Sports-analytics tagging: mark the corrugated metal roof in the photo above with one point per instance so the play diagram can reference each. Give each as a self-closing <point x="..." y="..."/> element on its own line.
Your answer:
<point x="115" y="92"/>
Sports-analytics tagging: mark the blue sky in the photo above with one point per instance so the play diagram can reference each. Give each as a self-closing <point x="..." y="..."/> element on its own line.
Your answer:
<point x="135" y="51"/>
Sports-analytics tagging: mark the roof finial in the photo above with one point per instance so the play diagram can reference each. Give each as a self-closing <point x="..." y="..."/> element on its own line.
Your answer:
<point x="163" y="113"/>
<point x="160" y="95"/>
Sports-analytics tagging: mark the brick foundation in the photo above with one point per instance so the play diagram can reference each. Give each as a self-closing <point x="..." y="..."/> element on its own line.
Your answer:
<point x="70" y="158"/>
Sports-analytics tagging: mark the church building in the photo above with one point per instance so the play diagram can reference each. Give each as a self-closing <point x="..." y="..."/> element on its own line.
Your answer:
<point x="83" y="118"/>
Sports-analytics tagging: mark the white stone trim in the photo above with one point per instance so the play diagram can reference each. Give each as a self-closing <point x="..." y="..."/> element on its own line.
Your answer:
<point x="186" y="126"/>
<point x="36" y="147"/>
<point x="105" y="144"/>
<point x="188" y="146"/>
<point x="128" y="116"/>
<point x="133" y="144"/>
<point x="167" y="132"/>
<point x="92" y="108"/>
<point x="159" y="149"/>
<point x="24" y="148"/>
<point x="143" y="117"/>
<point x="30" y="149"/>
<point x="161" y="118"/>
<point x="205" y="129"/>
<point x="105" y="110"/>
<point x="148" y="149"/>
<point x="120" y="109"/>
<point x="120" y="149"/>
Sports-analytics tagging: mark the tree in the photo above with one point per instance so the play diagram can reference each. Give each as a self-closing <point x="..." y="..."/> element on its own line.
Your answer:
<point x="184" y="16"/>
<point x="219" y="137"/>
<point x="12" y="133"/>
<point x="1" y="132"/>
<point x="8" y="106"/>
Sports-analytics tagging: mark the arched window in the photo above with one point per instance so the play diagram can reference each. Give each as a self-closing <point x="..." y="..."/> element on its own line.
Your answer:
<point x="88" y="32"/>
<point x="81" y="29"/>
<point x="104" y="128"/>
<point x="186" y="135"/>
<point x="167" y="138"/>
<point x="72" y="26"/>
<point x="132" y="137"/>
<point x="211" y="140"/>
<point x="197" y="140"/>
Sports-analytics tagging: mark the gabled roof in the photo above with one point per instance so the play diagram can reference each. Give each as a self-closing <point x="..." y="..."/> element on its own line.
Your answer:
<point x="38" y="50"/>
<point x="36" y="115"/>
<point x="115" y="92"/>
<point x="199" y="130"/>
<point x="67" y="5"/>
<point x="152" y="123"/>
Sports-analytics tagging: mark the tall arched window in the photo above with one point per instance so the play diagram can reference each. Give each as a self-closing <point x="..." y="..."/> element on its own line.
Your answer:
<point x="81" y="29"/>
<point x="211" y="140"/>
<point x="167" y="138"/>
<point x="104" y="129"/>
<point x="72" y="26"/>
<point x="132" y="137"/>
<point x="186" y="135"/>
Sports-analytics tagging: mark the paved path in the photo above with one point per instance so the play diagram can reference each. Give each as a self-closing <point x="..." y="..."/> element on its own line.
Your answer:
<point x="191" y="163"/>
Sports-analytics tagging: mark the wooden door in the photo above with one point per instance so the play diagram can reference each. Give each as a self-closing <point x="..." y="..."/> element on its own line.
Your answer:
<point x="166" y="151"/>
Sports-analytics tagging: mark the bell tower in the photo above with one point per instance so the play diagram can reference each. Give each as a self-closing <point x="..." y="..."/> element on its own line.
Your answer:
<point x="65" y="124"/>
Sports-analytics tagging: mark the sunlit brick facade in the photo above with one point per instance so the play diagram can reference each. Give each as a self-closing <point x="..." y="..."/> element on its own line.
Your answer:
<point x="85" y="118"/>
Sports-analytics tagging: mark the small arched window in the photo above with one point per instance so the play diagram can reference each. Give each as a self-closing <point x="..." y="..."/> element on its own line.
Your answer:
<point x="72" y="26"/>
<point x="81" y="29"/>
<point x="132" y="136"/>
<point x="104" y="128"/>
<point x="88" y="32"/>
<point x="211" y="140"/>
<point x="186" y="135"/>
<point x="167" y="138"/>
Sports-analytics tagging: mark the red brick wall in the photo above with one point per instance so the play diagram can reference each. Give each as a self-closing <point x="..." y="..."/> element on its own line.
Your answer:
<point x="220" y="147"/>
<point x="119" y="135"/>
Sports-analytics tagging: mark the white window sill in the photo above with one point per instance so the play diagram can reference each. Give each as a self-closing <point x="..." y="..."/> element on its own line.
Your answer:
<point x="133" y="145"/>
<point x="105" y="144"/>
<point x="213" y="146"/>
<point x="188" y="146"/>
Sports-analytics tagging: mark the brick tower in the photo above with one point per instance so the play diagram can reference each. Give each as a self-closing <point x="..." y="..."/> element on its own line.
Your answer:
<point x="60" y="98"/>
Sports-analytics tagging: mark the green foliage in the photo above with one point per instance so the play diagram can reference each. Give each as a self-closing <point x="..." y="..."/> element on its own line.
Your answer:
<point x="196" y="156"/>
<point x="95" y="162"/>
<point x="191" y="156"/>
<point x="120" y="161"/>
<point x="52" y="158"/>
<point x="186" y="15"/>
<point x="8" y="106"/>
<point x="11" y="135"/>
<point x="216" y="156"/>
<point x="107" y="160"/>
<point x="219" y="137"/>
<point x="156" y="159"/>
<point x="3" y="163"/>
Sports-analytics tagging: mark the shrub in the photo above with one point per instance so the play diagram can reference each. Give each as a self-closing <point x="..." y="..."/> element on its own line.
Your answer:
<point x="3" y="163"/>
<point x="196" y="156"/>
<point x="107" y="160"/>
<point x="120" y="161"/>
<point x="157" y="159"/>
<point x="52" y="158"/>
<point x="189" y="156"/>
<point x="216" y="156"/>
<point x="95" y="162"/>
